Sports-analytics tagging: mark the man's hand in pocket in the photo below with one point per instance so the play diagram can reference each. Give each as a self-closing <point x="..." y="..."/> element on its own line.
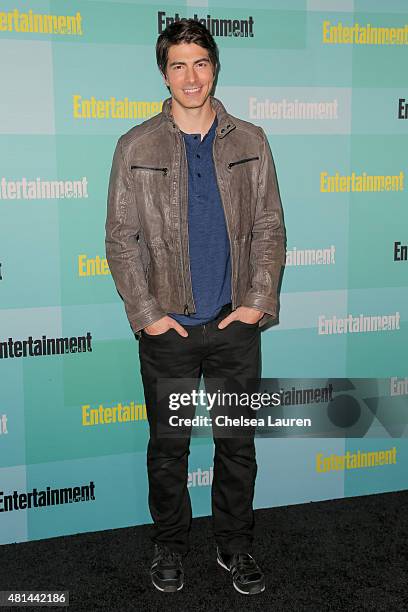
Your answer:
<point x="164" y="324"/>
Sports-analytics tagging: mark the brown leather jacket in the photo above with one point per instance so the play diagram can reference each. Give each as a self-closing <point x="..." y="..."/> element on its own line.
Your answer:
<point x="147" y="222"/>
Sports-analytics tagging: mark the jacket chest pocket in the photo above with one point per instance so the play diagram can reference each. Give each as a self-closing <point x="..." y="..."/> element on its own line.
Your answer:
<point x="152" y="188"/>
<point x="151" y="183"/>
<point x="164" y="170"/>
<point x="245" y="160"/>
<point x="243" y="185"/>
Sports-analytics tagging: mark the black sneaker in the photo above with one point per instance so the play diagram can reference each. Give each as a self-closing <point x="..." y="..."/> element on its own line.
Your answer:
<point x="167" y="570"/>
<point x="247" y="576"/>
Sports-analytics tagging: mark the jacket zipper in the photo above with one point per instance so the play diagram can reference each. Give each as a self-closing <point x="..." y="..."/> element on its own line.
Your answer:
<point x="186" y="311"/>
<point x="241" y="161"/>
<point x="228" y="229"/>
<point x="164" y="170"/>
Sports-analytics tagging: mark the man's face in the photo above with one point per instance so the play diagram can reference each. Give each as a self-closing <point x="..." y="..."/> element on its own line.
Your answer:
<point x="189" y="74"/>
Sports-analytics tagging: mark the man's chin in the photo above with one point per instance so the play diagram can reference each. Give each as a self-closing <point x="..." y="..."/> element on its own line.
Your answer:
<point x="192" y="104"/>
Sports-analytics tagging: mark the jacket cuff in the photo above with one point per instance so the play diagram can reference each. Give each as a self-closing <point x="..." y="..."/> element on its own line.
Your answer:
<point x="268" y="306"/>
<point x="145" y="318"/>
<point x="267" y="317"/>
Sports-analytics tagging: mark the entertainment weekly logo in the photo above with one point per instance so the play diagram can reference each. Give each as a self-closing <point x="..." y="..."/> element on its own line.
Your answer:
<point x="400" y="251"/>
<point x="402" y="108"/>
<point x="224" y="26"/>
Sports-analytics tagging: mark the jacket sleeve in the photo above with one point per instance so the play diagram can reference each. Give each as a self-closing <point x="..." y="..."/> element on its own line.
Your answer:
<point x="122" y="248"/>
<point x="268" y="249"/>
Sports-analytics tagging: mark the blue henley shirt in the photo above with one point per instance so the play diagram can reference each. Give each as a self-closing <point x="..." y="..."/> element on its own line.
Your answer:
<point x="208" y="237"/>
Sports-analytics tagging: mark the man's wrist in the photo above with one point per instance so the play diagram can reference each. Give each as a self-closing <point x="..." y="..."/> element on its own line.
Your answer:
<point x="257" y="310"/>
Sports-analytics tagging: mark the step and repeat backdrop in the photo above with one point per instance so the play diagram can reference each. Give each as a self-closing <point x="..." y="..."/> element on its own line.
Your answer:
<point x="327" y="81"/>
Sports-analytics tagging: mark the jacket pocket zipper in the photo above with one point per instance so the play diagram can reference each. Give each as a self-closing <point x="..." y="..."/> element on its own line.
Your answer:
<point x="241" y="161"/>
<point x="164" y="170"/>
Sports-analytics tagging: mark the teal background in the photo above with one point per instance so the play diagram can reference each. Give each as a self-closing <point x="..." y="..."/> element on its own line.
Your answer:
<point x="40" y="241"/>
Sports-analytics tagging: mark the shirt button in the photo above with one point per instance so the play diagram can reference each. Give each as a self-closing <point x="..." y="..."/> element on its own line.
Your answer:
<point x="198" y="174"/>
<point x="199" y="156"/>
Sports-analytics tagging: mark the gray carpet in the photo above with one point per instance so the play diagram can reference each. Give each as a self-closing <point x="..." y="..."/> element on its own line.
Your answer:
<point x="349" y="554"/>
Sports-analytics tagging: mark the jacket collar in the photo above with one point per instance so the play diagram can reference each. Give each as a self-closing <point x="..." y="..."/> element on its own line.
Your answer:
<point x="225" y="122"/>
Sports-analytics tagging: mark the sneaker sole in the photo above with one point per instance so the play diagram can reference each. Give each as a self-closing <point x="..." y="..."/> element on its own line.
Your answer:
<point x="167" y="589"/>
<point x="234" y="585"/>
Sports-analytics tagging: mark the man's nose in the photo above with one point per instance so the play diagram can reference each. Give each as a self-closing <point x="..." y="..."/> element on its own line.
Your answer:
<point x="190" y="76"/>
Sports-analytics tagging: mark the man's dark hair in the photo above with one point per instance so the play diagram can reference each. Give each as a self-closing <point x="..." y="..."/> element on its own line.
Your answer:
<point x="185" y="31"/>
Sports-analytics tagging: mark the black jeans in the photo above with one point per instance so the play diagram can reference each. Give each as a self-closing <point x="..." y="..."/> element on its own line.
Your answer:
<point x="230" y="352"/>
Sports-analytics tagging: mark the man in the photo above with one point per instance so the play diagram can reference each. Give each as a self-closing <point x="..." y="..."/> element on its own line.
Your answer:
<point x="195" y="243"/>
